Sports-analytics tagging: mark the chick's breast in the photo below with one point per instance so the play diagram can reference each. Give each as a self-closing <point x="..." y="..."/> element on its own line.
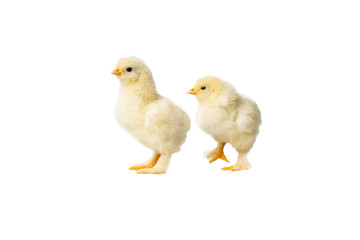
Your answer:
<point x="129" y="112"/>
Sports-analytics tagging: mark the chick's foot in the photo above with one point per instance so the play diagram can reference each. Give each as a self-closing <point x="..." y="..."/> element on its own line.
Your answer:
<point x="160" y="166"/>
<point x="237" y="167"/>
<point x="213" y="156"/>
<point x="148" y="164"/>
<point x="141" y="166"/>
<point x="151" y="171"/>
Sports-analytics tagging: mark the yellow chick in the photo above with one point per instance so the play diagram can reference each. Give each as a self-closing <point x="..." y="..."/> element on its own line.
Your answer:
<point x="227" y="116"/>
<point x="154" y="120"/>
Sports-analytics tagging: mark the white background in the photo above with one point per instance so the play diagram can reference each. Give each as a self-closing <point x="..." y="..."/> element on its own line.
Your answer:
<point x="64" y="160"/>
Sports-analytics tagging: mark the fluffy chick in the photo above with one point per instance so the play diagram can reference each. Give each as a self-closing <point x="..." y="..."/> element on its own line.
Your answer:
<point x="227" y="116"/>
<point x="154" y="120"/>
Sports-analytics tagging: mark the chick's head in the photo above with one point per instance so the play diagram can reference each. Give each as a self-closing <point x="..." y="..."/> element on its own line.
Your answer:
<point x="129" y="70"/>
<point x="207" y="88"/>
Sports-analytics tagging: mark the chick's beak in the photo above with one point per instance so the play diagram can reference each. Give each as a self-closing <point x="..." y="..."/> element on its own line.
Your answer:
<point x="192" y="91"/>
<point x="116" y="72"/>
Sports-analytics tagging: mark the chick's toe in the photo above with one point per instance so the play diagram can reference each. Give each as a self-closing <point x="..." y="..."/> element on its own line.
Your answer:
<point x="148" y="164"/>
<point x="218" y="155"/>
<point x="237" y="167"/>
<point x="141" y="166"/>
<point x="227" y="168"/>
<point x="151" y="171"/>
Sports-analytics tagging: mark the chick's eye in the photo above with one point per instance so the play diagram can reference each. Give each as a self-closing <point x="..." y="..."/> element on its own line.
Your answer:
<point x="203" y="88"/>
<point x="129" y="69"/>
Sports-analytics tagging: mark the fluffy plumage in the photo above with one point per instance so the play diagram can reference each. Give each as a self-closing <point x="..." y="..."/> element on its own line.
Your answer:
<point x="227" y="116"/>
<point x="154" y="120"/>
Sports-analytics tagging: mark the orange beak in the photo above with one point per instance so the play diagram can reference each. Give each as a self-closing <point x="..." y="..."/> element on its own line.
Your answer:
<point x="192" y="91"/>
<point x="116" y="72"/>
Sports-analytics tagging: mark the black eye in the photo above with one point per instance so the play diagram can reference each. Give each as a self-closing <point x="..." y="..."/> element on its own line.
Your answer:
<point x="129" y="69"/>
<point x="203" y="88"/>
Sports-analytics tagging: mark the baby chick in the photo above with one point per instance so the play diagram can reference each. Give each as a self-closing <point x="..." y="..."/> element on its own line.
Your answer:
<point x="154" y="120"/>
<point x="227" y="116"/>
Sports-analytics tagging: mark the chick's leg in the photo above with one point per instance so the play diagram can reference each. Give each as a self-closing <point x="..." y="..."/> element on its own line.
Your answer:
<point x="160" y="166"/>
<point x="148" y="164"/>
<point x="217" y="153"/>
<point x="241" y="164"/>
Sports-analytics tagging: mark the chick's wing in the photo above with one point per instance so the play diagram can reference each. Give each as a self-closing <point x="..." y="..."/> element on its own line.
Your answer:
<point x="161" y="117"/>
<point x="248" y="116"/>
